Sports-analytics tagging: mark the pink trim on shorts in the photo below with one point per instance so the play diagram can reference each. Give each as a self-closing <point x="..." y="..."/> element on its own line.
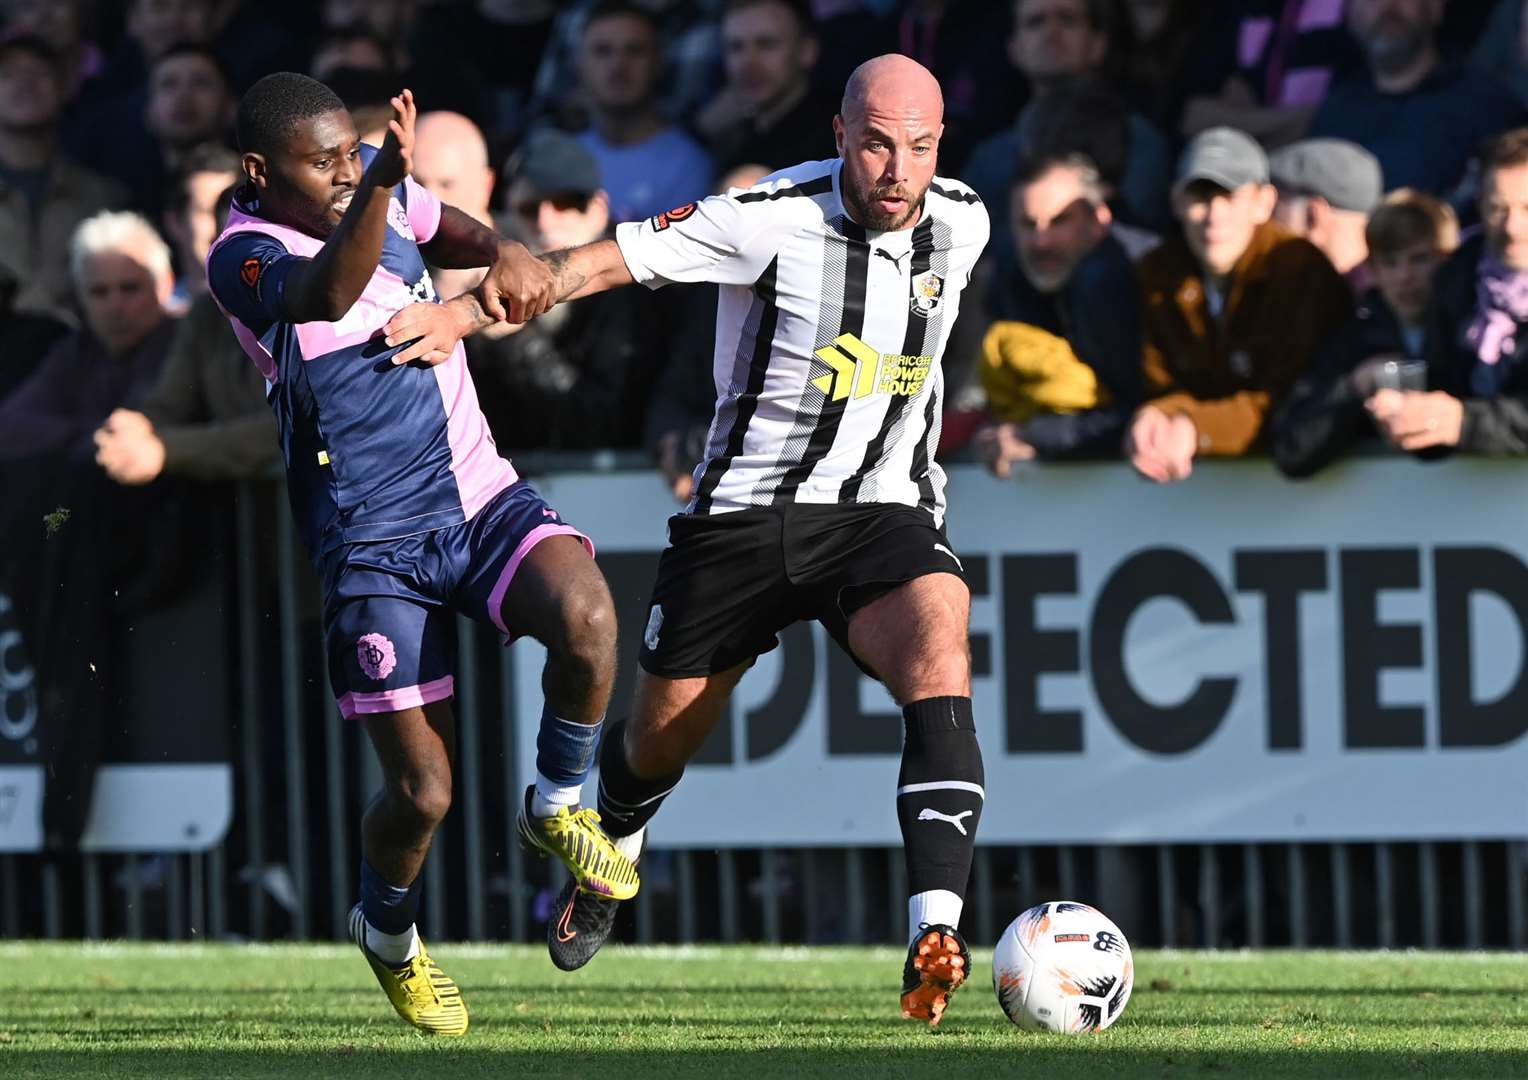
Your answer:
<point x="408" y="697"/>
<point x="531" y="539"/>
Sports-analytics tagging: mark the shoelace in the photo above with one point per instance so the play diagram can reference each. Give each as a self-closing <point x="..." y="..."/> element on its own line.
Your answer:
<point x="416" y="981"/>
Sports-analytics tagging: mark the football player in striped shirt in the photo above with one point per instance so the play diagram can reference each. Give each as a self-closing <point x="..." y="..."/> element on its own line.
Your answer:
<point x="818" y="497"/>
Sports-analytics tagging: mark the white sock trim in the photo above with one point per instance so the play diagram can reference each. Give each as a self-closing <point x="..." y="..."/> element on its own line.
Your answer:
<point x="551" y="796"/>
<point x="944" y="785"/>
<point x="932" y="908"/>
<point x="393" y="948"/>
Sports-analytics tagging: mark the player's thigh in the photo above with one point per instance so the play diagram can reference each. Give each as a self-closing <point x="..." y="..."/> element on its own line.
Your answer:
<point x="672" y="718"/>
<point x="915" y="637"/>
<point x="388" y="649"/>
<point x="526" y="570"/>
<point x="416" y="748"/>
<point x="720" y="598"/>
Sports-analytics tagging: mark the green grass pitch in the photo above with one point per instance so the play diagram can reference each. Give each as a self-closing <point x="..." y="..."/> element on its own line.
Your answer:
<point x="132" y="1010"/>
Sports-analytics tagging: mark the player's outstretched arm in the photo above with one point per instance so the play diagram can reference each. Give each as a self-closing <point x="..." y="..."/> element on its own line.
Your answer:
<point x="518" y="286"/>
<point x="582" y="271"/>
<point x="326" y="287"/>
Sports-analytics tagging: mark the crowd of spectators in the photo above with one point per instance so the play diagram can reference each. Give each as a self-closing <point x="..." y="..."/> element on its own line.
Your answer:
<point x="1220" y="228"/>
<point x="1216" y="225"/>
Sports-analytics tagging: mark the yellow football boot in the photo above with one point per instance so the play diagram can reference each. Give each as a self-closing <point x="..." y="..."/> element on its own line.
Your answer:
<point x="423" y="994"/>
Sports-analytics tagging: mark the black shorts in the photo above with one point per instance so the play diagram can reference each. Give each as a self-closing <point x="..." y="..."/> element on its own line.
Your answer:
<point x="728" y="583"/>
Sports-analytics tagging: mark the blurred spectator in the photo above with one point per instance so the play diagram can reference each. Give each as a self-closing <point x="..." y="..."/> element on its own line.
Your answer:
<point x="352" y="48"/>
<point x="154" y="27"/>
<point x="43" y="195"/>
<point x="1234" y="309"/>
<point x="25" y="338"/>
<point x="1381" y="346"/>
<point x="1061" y="380"/>
<point x="121" y="269"/>
<point x="205" y="417"/>
<point x="60" y="23"/>
<point x="690" y="42"/>
<point x="1477" y="333"/>
<point x="1327" y="190"/>
<point x="1162" y="32"/>
<point x="191" y="215"/>
<point x="768" y="111"/>
<point x="1502" y="51"/>
<point x="1059" y="45"/>
<point x="1423" y="118"/>
<point x="646" y="164"/>
<point x="577" y="377"/>
<point x="1265" y="66"/>
<point x="388" y="20"/>
<point x="451" y="160"/>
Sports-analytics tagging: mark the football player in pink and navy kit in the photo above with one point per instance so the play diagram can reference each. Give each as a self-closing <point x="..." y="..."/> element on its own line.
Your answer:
<point x="407" y="509"/>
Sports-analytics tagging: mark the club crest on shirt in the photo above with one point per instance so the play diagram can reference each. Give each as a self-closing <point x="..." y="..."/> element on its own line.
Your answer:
<point x="398" y="220"/>
<point x="670" y="217"/>
<point x="928" y="293"/>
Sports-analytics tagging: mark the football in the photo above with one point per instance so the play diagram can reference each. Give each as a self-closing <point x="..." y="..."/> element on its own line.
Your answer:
<point x="1062" y="966"/>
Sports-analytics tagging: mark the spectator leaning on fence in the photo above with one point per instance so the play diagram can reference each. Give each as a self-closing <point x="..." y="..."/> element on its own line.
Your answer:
<point x="1381" y="346"/>
<point x="646" y="164"/>
<point x="1234" y="308"/>
<point x="43" y="195"/>
<point x="121" y="270"/>
<point x="1063" y="377"/>
<point x="1477" y="332"/>
<point x="1327" y="190"/>
<point x="1422" y="116"/>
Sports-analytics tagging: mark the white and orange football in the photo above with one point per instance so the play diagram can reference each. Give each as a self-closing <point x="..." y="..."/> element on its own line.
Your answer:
<point x="1062" y="966"/>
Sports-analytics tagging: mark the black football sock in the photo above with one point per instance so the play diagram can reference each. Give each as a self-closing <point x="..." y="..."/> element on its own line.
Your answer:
<point x="627" y="802"/>
<point x="939" y="805"/>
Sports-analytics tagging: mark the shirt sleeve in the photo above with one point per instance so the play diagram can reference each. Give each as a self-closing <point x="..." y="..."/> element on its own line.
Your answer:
<point x="423" y="209"/>
<point x="247" y="273"/>
<point x="721" y="239"/>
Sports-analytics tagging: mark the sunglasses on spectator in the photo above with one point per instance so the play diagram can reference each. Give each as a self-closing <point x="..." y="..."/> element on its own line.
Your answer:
<point x="561" y="201"/>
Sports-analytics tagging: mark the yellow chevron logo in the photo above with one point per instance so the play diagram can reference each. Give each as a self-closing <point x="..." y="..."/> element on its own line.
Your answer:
<point x="851" y="365"/>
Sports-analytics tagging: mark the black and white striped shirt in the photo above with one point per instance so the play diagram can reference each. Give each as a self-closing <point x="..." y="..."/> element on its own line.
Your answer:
<point x="828" y="337"/>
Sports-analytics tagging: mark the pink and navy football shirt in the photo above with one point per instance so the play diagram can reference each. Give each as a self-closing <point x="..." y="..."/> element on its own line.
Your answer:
<point x="373" y="451"/>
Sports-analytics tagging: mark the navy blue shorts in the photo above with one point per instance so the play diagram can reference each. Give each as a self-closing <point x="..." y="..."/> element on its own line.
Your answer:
<point x="390" y="606"/>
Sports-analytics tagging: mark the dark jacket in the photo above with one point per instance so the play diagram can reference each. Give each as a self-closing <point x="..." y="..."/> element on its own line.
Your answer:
<point x="1097" y="315"/>
<point x="1496" y="425"/>
<point x="74" y="391"/>
<point x="803" y="134"/>
<point x="1325" y="414"/>
<point x="577" y="378"/>
<point x="1229" y="374"/>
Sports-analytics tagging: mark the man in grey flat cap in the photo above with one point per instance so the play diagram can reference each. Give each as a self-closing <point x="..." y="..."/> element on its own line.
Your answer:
<point x="1234" y="306"/>
<point x="1327" y="190"/>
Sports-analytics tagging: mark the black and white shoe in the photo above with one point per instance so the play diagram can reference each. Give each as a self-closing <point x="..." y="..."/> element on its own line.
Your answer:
<point x="583" y="923"/>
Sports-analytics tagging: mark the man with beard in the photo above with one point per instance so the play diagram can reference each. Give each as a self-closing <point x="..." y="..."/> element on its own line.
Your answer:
<point x="1421" y="116"/>
<point x="408" y="512"/>
<point x="818" y="496"/>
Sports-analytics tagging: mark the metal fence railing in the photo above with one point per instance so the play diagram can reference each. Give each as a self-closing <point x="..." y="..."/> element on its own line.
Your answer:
<point x="287" y="868"/>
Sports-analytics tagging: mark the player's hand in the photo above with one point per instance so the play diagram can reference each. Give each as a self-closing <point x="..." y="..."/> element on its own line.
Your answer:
<point x="998" y="446"/>
<point x="1417" y="420"/>
<point x="518" y="286"/>
<point x="128" y="449"/>
<point x="679" y="477"/>
<point x="428" y="332"/>
<point x="396" y="158"/>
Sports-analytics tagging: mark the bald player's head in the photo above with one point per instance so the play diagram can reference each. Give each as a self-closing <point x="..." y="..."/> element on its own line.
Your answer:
<point x="888" y="130"/>
<point x="451" y="160"/>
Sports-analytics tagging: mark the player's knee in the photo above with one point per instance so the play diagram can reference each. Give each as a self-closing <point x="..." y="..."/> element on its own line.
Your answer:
<point x="426" y="797"/>
<point x="587" y="634"/>
<point x="940" y="671"/>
